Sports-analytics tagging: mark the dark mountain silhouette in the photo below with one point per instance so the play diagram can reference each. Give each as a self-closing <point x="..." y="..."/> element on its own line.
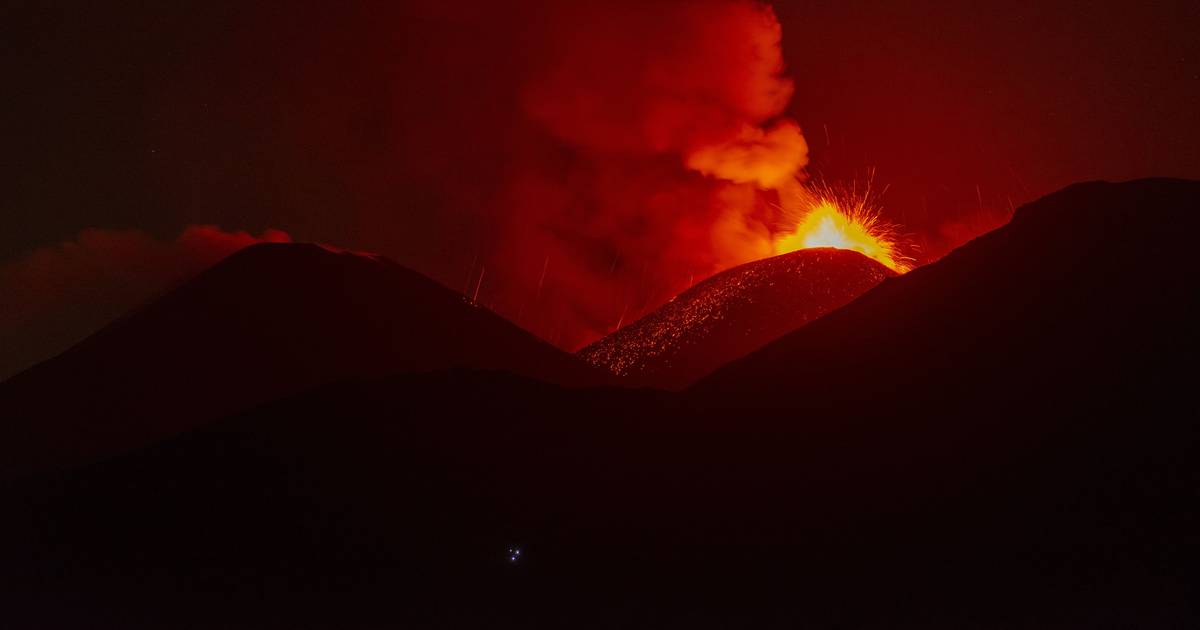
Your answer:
<point x="1065" y="300"/>
<point x="732" y="313"/>
<point x="271" y="320"/>
<point x="1003" y="439"/>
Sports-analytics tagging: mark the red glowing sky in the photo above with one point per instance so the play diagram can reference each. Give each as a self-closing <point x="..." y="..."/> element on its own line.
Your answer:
<point x="515" y="135"/>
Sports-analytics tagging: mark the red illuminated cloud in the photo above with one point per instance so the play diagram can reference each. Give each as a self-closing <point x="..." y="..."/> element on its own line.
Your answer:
<point x="662" y="77"/>
<point x="768" y="158"/>
<point x="966" y="227"/>
<point x="654" y="159"/>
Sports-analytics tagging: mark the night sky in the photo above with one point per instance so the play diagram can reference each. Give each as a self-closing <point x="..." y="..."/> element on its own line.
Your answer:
<point x="393" y="128"/>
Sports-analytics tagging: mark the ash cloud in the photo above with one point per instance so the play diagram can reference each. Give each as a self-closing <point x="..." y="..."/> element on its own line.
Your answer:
<point x="572" y="164"/>
<point x="657" y="157"/>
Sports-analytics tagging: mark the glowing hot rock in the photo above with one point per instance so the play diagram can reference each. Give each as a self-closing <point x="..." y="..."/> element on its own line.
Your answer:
<point x="828" y="225"/>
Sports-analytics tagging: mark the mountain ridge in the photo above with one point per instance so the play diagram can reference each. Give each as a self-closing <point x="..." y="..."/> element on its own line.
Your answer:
<point x="270" y="320"/>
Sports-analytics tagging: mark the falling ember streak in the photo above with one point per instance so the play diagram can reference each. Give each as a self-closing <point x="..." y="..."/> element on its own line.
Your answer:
<point x="853" y="226"/>
<point x="482" y="271"/>
<point x="624" y="312"/>
<point x="542" y="280"/>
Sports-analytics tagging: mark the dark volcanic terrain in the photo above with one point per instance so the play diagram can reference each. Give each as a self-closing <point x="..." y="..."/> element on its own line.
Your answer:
<point x="271" y="320"/>
<point x="1003" y="439"/>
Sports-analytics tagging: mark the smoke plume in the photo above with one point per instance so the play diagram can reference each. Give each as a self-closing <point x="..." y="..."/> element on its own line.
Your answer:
<point x="657" y="158"/>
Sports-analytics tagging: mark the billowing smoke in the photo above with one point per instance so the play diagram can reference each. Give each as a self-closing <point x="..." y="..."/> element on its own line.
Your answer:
<point x="55" y="296"/>
<point x="770" y="158"/>
<point x="659" y="158"/>
<point x="572" y="164"/>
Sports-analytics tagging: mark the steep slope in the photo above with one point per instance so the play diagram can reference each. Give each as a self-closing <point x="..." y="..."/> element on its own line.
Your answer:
<point x="268" y="321"/>
<point x="733" y="313"/>
<point x="1078" y="289"/>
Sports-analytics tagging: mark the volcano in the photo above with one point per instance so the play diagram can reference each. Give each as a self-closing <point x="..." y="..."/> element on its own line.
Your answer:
<point x="271" y="320"/>
<point x="733" y="313"/>
<point x="1071" y="293"/>
<point x="1003" y="438"/>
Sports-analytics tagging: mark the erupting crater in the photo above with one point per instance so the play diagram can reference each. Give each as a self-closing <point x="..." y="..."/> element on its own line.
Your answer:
<point x="849" y="223"/>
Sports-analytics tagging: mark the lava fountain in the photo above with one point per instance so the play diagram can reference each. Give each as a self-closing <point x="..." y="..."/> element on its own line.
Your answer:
<point x="826" y="219"/>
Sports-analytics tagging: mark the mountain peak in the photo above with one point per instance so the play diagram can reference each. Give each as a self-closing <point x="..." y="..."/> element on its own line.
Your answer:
<point x="268" y="321"/>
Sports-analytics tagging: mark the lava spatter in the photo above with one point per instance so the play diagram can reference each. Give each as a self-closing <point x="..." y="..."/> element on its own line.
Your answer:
<point x="733" y="313"/>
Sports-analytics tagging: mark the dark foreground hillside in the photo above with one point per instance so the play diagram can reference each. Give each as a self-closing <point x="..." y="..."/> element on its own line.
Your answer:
<point x="269" y="321"/>
<point x="1040" y="472"/>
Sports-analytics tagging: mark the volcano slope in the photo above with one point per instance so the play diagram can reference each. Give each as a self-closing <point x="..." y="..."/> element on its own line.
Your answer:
<point x="1076" y="282"/>
<point x="733" y="313"/>
<point x="271" y="320"/>
<point x="1005" y="438"/>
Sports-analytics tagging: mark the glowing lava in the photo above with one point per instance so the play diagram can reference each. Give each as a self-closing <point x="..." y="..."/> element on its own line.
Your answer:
<point x="828" y="224"/>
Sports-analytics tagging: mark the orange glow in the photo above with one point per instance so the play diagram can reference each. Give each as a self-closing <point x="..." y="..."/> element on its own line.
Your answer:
<point x="826" y="223"/>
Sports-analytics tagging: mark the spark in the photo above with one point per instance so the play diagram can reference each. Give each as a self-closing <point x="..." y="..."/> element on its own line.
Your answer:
<point x="624" y="312"/>
<point x="482" y="271"/>
<point x="846" y="220"/>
